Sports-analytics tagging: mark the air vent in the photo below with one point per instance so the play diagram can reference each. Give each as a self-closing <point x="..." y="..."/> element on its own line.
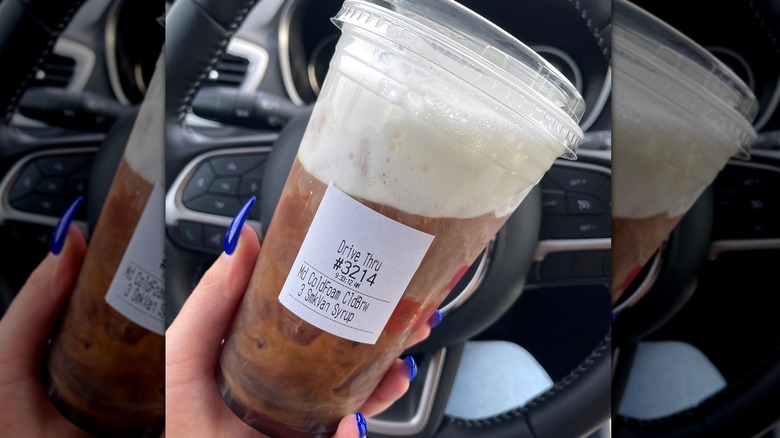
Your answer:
<point x="229" y="72"/>
<point x="57" y="71"/>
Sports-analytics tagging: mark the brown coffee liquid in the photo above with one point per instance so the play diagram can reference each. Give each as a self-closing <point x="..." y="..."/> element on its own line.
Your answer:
<point x="288" y="378"/>
<point x="105" y="372"/>
<point x="634" y="241"/>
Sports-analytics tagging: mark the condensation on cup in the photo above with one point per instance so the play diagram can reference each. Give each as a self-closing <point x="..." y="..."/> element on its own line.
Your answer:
<point x="679" y="115"/>
<point x="105" y="369"/>
<point x="431" y="127"/>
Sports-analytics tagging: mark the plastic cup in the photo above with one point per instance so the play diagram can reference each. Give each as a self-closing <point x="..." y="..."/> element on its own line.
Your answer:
<point x="431" y="127"/>
<point x="105" y="367"/>
<point x="679" y="114"/>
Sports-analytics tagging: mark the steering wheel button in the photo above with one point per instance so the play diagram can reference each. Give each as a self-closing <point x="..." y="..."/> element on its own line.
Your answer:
<point x="553" y="201"/>
<point x="26" y="183"/>
<point x="577" y="180"/>
<point x="213" y="236"/>
<point x="62" y="165"/>
<point x="233" y="165"/>
<point x="726" y="201"/>
<point x="191" y="232"/>
<point x="744" y="179"/>
<point x="51" y="186"/>
<point x="580" y="203"/>
<point x="249" y="187"/>
<point x="583" y="227"/>
<point x="77" y="186"/>
<point x="220" y="205"/>
<point x="199" y="183"/>
<point x="224" y="186"/>
<point x="41" y="204"/>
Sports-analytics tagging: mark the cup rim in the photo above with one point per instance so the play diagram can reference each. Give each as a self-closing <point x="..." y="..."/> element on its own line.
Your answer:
<point x="506" y="69"/>
<point x="670" y="64"/>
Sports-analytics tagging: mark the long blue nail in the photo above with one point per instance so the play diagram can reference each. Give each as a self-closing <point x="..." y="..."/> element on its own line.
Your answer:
<point x="61" y="230"/>
<point x="361" y="424"/>
<point x="412" y="368"/>
<point x="435" y="319"/>
<point x="234" y="230"/>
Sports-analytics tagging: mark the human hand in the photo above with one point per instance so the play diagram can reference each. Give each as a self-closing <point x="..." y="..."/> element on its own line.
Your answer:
<point x="25" y="409"/>
<point x="194" y="406"/>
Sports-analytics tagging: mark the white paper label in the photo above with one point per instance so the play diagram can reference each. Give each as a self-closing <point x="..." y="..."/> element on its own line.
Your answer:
<point x="138" y="288"/>
<point x="352" y="269"/>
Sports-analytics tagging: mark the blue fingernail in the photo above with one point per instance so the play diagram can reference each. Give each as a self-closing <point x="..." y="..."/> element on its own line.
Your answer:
<point x="234" y="230"/>
<point x="61" y="230"/>
<point x="412" y="368"/>
<point x="361" y="424"/>
<point x="435" y="319"/>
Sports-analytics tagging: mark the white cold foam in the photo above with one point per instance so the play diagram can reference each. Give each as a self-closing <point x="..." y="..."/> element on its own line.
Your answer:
<point x="663" y="157"/>
<point x="419" y="143"/>
<point x="144" y="151"/>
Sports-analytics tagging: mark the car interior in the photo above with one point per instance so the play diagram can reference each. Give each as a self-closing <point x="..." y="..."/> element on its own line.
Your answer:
<point x="698" y="354"/>
<point x="526" y="345"/>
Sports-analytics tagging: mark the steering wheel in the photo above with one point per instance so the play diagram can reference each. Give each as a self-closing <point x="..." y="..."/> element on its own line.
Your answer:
<point x="89" y="157"/>
<point x="582" y="396"/>
<point x="693" y="285"/>
<point x="38" y="23"/>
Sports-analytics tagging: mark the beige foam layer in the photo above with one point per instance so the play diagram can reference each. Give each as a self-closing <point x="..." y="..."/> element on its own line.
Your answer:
<point x="421" y="144"/>
<point x="663" y="157"/>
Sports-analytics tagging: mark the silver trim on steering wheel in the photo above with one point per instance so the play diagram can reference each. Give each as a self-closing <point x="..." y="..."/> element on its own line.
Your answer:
<point x="419" y="420"/>
<point x="8" y="212"/>
<point x="176" y="211"/>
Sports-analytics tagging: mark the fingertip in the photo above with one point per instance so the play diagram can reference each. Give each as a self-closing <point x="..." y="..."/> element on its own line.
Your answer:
<point x="362" y="427"/>
<point x="76" y="240"/>
<point x="62" y="229"/>
<point x="249" y="240"/>
<point x="235" y="230"/>
<point x="352" y="426"/>
<point x="435" y="319"/>
<point x="412" y="368"/>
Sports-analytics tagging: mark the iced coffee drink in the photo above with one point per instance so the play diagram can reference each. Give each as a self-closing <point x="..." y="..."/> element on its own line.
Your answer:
<point x="401" y="180"/>
<point x="679" y="114"/>
<point x="105" y="367"/>
<point x="100" y="358"/>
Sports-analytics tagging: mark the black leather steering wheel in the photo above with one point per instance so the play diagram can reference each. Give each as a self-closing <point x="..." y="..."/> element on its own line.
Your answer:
<point x="36" y="23"/>
<point x="747" y="406"/>
<point x="28" y="31"/>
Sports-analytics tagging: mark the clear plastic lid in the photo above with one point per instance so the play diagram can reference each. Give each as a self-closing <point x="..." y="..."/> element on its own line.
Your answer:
<point x="671" y="64"/>
<point x="482" y="54"/>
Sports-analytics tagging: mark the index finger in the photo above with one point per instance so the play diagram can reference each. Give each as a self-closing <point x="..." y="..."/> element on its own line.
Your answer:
<point x="193" y="339"/>
<point x="28" y="322"/>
